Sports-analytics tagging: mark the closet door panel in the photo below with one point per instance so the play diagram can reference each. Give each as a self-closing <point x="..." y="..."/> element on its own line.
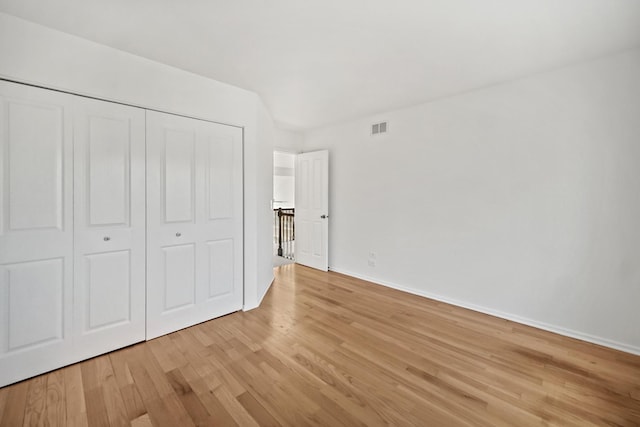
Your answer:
<point x="220" y="268"/>
<point x="221" y="225"/>
<point x="33" y="289"/>
<point x="179" y="277"/>
<point x="109" y="191"/>
<point x="171" y="217"/>
<point x="35" y="147"/>
<point x="220" y="177"/>
<point x="107" y="290"/>
<point x="194" y="222"/>
<point x="178" y="175"/>
<point x="36" y="245"/>
<point x="106" y="153"/>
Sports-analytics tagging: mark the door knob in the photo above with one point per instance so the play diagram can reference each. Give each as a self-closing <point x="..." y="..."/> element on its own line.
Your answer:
<point x="106" y="238"/>
<point x="178" y="234"/>
<point x="324" y="216"/>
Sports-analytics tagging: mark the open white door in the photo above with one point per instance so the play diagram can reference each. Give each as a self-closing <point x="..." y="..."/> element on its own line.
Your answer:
<point x="312" y="210"/>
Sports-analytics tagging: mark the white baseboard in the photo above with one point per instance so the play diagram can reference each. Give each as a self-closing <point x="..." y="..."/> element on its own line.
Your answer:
<point x="508" y="316"/>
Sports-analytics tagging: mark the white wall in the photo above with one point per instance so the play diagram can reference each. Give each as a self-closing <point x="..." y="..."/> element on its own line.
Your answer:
<point x="267" y="129"/>
<point x="288" y="141"/>
<point x="521" y="199"/>
<point x="35" y="54"/>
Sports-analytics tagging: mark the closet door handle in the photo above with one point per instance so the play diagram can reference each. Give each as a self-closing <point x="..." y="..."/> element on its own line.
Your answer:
<point x="178" y="234"/>
<point x="106" y="238"/>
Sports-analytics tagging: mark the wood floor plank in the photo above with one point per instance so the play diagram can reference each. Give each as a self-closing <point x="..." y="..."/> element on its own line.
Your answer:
<point x="330" y="350"/>
<point x="257" y="411"/>
<point x="34" y="411"/>
<point x="241" y="416"/>
<point x="96" y="408"/>
<point x="144" y="360"/>
<point x="167" y="354"/>
<point x="15" y="405"/>
<point x="219" y="414"/>
<point x="4" y="394"/>
<point x="55" y="412"/>
<point x="193" y="406"/>
<point x="161" y="414"/>
<point x="177" y="410"/>
<point x="75" y="407"/>
<point x="131" y="397"/>
<point x="102" y="394"/>
<point x="114" y="402"/>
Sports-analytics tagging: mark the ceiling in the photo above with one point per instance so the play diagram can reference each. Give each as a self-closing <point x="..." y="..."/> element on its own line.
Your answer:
<point x="316" y="63"/>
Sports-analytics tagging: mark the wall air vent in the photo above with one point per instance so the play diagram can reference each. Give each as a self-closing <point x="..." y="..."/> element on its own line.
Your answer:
<point x="378" y="128"/>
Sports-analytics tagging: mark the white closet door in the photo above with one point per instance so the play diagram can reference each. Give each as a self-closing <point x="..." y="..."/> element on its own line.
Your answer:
<point x="36" y="231"/>
<point x="194" y="222"/>
<point x="109" y="207"/>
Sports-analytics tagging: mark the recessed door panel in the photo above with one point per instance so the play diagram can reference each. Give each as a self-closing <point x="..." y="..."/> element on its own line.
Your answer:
<point x="34" y="293"/>
<point x="316" y="239"/>
<point x="220" y="178"/>
<point x="179" y="276"/>
<point x="303" y="237"/>
<point x="107" y="154"/>
<point x="179" y="159"/>
<point x="317" y="184"/>
<point x="220" y="267"/>
<point x="108" y="289"/>
<point x="35" y="165"/>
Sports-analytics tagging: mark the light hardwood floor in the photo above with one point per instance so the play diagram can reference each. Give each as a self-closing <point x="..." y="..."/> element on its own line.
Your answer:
<point x="327" y="349"/>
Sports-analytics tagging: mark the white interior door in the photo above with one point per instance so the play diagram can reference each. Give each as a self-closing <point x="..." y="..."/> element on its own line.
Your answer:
<point x="36" y="231"/>
<point x="312" y="210"/>
<point x="194" y="222"/>
<point x="109" y="223"/>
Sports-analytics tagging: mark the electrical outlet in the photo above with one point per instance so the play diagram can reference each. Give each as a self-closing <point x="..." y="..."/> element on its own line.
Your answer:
<point x="372" y="255"/>
<point x="372" y="262"/>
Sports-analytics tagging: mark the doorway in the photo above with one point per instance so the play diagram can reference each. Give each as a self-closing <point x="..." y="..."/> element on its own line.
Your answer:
<point x="283" y="206"/>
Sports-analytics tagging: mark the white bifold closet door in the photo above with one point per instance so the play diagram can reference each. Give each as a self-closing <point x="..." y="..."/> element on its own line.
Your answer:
<point x="72" y="276"/>
<point x="109" y="220"/>
<point x="194" y="222"/>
